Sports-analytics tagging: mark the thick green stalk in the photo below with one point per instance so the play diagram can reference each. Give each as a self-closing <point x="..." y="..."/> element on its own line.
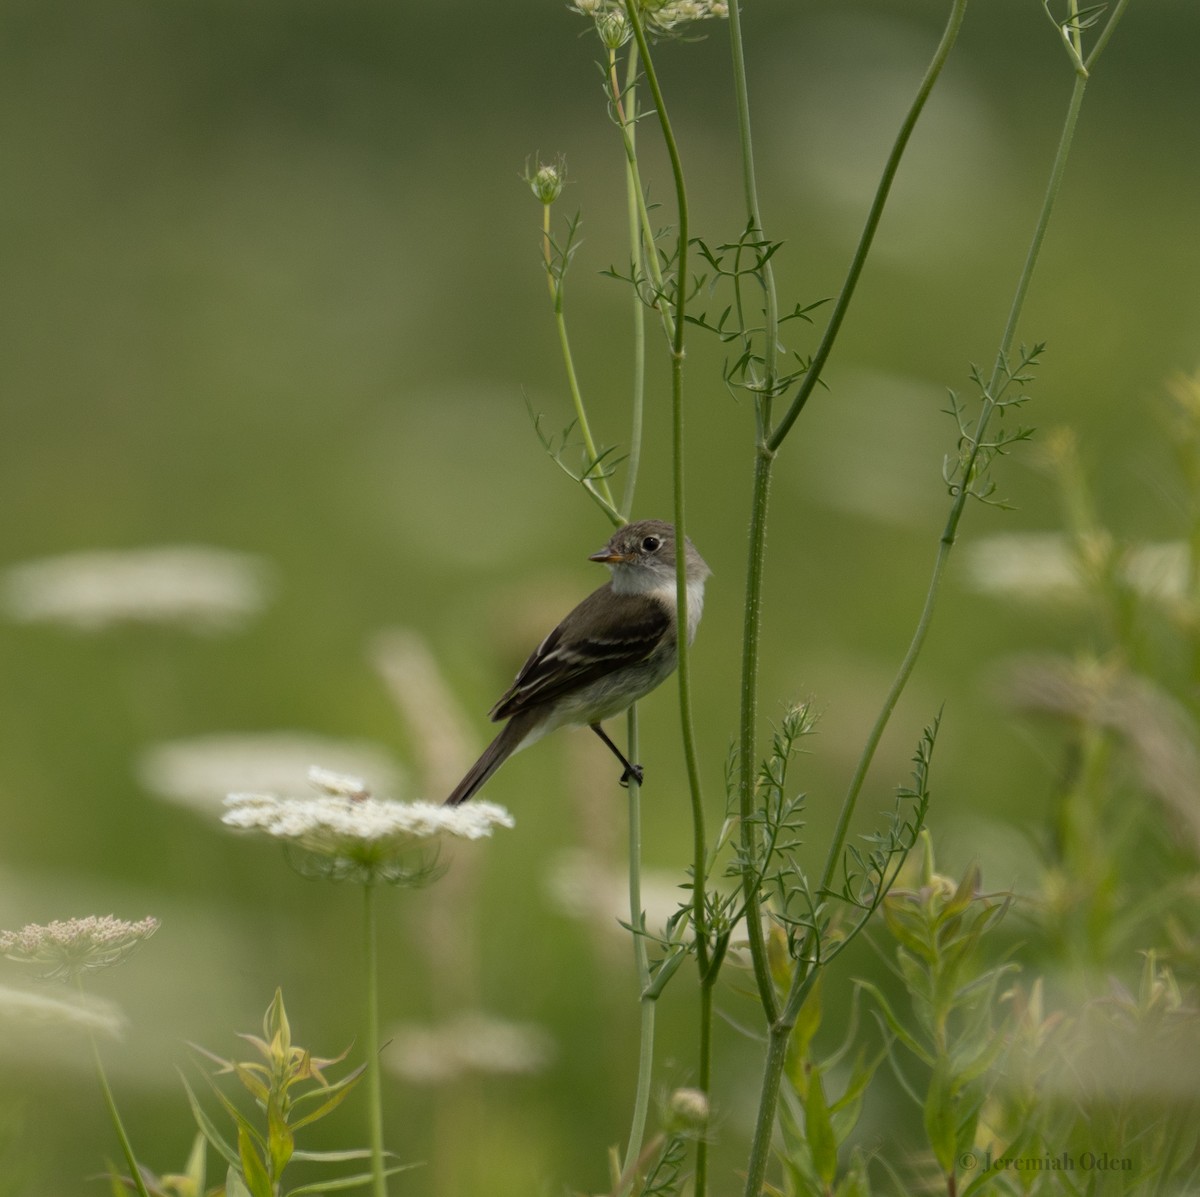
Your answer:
<point x="763" y="462"/>
<point x="781" y="1018"/>
<point x="641" y="960"/>
<point x="374" y="1081"/>
<point x="748" y="729"/>
<point x="647" y="1005"/>
<point x="678" y="462"/>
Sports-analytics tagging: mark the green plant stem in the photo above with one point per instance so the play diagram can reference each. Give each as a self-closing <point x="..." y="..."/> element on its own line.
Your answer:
<point x="597" y="487"/>
<point x="678" y="462"/>
<point x="625" y="107"/>
<point x="741" y="93"/>
<point x="748" y="728"/>
<point x="114" y="1115"/>
<point x="781" y="1016"/>
<point x="373" y="1078"/>
<point x="950" y="532"/>
<point x="634" y="204"/>
<point x="813" y="375"/>
<point x="641" y="959"/>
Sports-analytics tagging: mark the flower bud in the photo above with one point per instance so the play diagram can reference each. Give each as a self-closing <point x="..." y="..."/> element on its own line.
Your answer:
<point x="687" y="1112"/>
<point x="613" y="29"/>
<point x="547" y="181"/>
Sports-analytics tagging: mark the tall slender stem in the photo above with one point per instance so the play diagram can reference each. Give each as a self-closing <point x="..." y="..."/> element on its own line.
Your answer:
<point x="641" y="958"/>
<point x="748" y="729"/>
<point x="741" y="92"/>
<point x="950" y="532"/>
<point x="781" y="1017"/>
<point x="110" y="1104"/>
<point x="556" y="279"/>
<point x="870" y="227"/>
<point x="374" y="1080"/>
<point x="634" y="204"/>
<point x="678" y="462"/>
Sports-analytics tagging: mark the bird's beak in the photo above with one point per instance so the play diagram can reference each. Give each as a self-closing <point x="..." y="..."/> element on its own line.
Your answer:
<point x="607" y="557"/>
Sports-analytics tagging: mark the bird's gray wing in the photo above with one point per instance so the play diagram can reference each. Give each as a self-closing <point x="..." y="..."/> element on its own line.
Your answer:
<point x="605" y="633"/>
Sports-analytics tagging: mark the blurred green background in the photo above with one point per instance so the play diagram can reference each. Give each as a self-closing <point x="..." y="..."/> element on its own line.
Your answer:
<point x="271" y="283"/>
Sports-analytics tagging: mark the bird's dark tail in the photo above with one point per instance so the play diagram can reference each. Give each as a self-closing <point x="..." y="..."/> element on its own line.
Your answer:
<point x="494" y="755"/>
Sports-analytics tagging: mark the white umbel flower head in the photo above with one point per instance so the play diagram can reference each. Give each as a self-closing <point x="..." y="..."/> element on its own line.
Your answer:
<point x="64" y="949"/>
<point x="344" y="832"/>
<point x="197" y="587"/>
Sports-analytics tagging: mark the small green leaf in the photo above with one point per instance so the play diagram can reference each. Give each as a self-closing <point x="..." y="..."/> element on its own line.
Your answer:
<point x="895" y="1025"/>
<point x="346" y="1182"/>
<point x="254" y="1085"/>
<point x="234" y="1185"/>
<point x="254" y="1171"/>
<point x="941" y="1125"/>
<point x="339" y="1095"/>
<point x="280" y="1140"/>
<point x="209" y="1128"/>
<point x="818" y="1129"/>
<point x="197" y="1165"/>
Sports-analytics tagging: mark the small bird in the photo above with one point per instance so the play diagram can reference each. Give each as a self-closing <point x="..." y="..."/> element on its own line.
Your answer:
<point x="611" y="650"/>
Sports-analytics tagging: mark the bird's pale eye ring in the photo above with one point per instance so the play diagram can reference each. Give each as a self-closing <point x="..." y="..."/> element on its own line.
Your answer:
<point x="651" y="544"/>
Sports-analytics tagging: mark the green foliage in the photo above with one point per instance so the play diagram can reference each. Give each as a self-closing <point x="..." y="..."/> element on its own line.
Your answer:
<point x="817" y="1126"/>
<point x="952" y="1032"/>
<point x="969" y="470"/>
<point x="289" y="1091"/>
<point x="190" y="1182"/>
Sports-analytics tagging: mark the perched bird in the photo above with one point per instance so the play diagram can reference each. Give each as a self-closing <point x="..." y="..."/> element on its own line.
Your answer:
<point x="612" y="649"/>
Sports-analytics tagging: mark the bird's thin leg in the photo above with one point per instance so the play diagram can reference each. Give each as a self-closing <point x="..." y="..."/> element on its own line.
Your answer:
<point x="634" y="771"/>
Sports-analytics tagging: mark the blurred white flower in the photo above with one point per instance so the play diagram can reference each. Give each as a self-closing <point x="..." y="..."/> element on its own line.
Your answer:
<point x="23" y="1008"/>
<point x="360" y="837"/>
<point x="687" y="1112"/>
<point x="199" y="772"/>
<point x="194" y="586"/>
<point x="471" y="1042"/>
<point x="64" y="949"/>
<point x="1038" y="565"/>
<point x="1047" y="566"/>
<point x="583" y="886"/>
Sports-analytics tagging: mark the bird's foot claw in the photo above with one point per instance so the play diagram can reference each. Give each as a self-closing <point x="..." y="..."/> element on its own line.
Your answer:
<point x="636" y="772"/>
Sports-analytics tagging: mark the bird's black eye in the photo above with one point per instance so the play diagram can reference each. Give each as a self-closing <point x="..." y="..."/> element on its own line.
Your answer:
<point x="652" y="544"/>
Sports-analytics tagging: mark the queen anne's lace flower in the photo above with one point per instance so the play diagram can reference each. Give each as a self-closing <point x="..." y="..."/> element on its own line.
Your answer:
<point x="660" y="16"/>
<point x="66" y="949"/>
<point x="192" y="586"/>
<point x="347" y="832"/>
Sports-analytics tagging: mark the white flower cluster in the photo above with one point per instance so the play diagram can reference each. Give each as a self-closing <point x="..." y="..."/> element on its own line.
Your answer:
<point x="348" y="827"/>
<point x="66" y="948"/>
<point x="1047" y="566"/>
<point x="659" y="16"/>
<point x="472" y="1042"/>
<point x="194" y="586"/>
<point x="337" y="823"/>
